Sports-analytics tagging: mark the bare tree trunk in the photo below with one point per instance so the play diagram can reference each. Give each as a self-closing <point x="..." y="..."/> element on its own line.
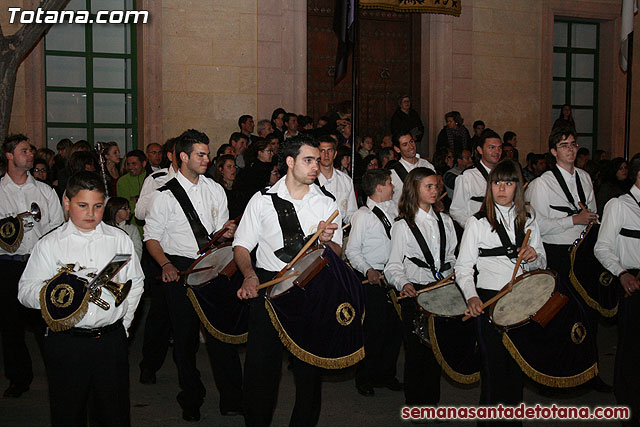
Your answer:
<point x="13" y="50"/>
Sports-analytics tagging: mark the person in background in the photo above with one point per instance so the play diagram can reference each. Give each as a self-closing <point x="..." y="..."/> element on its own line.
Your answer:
<point x="511" y="138"/>
<point x="407" y="120"/>
<point x="111" y="155"/>
<point x="118" y="214"/>
<point x="463" y="161"/>
<point x="226" y="172"/>
<point x="386" y="157"/>
<point x="40" y="171"/>
<point x="367" y="147"/>
<point x="478" y="127"/>
<point x="615" y="182"/>
<point x="154" y="158"/>
<point x="256" y="175"/>
<point x="582" y="157"/>
<point x="453" y="136"/>
<point x="277" y="122"/>
<point x="443" y="161"/>
<point x="130" y="184"/>
<point x="565" y="119"/>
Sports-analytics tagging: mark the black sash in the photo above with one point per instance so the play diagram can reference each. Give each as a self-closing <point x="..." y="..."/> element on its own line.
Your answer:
<point x="383" y="219"/>
<point x="485" y="175"/>
<point x="507" y="249"/>
<point x="199" y="232"/>
<point x="565" y="189"/>
<point x="634" y="234"/>
<point x="324" y="190"/>
<point x="634" y="199"/>
<point x="400" y="170"/>
<point x="430" y="264"/>
<point x="292" y="235"/>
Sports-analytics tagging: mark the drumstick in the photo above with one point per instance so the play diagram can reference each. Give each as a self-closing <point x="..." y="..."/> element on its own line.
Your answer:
<point x="441" y="196"/>
<point x="583" y="207"/>
<point x="346" y="226"/>
<point x="195" y="270"/>
<point x="312" y="240"/>
<point x="513" y="277"/>
<point x="276" y="281"/>
<point x="364" y="282"/>
<point x="524" y="187"/>
<point x="217" y="236"/>
<point x="438" y="284"/>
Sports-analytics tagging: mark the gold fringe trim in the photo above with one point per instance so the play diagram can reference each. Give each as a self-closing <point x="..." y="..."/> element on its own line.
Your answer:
<point x="68" y="322"/>
<point x="226" y="338"/>
<point x="544" y="379"/>
<point x="394" y="301"/>
<point x="415" y="9"/>
<point x="305" y="356"/>
<point x="454" y="375"/>
<point x="583" y="293"/>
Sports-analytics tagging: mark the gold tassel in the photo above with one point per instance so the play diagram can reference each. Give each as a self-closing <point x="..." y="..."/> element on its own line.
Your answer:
<point x="226" y="338"/>
<point x="305" y="356"/>
<point x="68" y="322"/>
<point x="544" y="379"/>
<point x="456" y="376"/>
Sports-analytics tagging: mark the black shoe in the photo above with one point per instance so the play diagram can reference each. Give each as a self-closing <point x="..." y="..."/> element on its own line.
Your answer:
<point x="191" y="414"/>
<point x="147" y="377"/>
<point x="15" y="390"/>
<point x="600" y="386"/>
<point x="231" y="413"/>
<point x="365" y="389"/>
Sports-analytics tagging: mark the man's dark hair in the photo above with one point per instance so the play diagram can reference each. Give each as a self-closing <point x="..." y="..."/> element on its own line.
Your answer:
<point x="292" y="148"/>
<point x="458" y="153"/>
<point x="372" y="178"/>
<point x="327" y="139"/>
<point x="222" y="149"/>
<point x="478" y="123"/>
<point x="243" y="119"/>
<point x="148" y="148"/>
<point x="287" y="117"/>
<point x="79" y="160"/>
<point x="237" y="136"/>
<point x="185" y="142"/>
<point x="508" y="136"/>
<point x="634" y="168"/>
<point x="12" y="141"/>
<point x="84" y="180"/>
<point x="276" y="113"/>
<point x="304" y="120"/>
<point x="137" y="153"/>
<point x="456" y="116"/>
<point x="83" y="144"/>
<point x="582" y="151"/>
<point x="273" y="136"/>
<point x="169" y="145"/>
<point x="64" y="144"/>
<point x="559" y="133"/>
<point x="386" y="152"/>
<point x="488" y="134"/>
<point x="395" y="139"/>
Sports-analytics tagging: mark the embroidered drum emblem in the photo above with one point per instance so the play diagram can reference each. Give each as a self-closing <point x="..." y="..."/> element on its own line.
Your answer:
<point x="578" y="333"/>
<point x="606" y="278"/>
<point x="345" y="314"/>
<point x="62" y="295"/>
<point x="7" y="230"/>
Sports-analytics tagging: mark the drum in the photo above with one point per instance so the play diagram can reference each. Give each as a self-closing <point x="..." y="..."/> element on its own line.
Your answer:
<point x="319" y="313"/>
<point x="453" y="341"/>
<point x="213" y="295"/>
<point x="547" y="338"/>
<point x="595" y="284"/>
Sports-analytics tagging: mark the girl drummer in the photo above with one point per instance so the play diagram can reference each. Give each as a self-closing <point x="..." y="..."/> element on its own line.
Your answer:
<point x="410" y="267"/>
<point x="481" y="246"/>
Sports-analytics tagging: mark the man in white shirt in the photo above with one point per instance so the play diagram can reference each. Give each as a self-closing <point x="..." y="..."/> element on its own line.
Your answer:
<point x="338" y="183"/>
<point x="471" y="186"/>
<point x="156" y="180"/>
<point x="18" y="190"/>
<point x="368" y="250"/>
<point x="307" y="209"/>
<point x="173" y="241"/>
<point x="617" y="249"/>
<point x="405" y="146"/>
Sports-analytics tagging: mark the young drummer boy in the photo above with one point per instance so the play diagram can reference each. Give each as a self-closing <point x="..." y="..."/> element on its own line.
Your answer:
<point x="87" y="365"/>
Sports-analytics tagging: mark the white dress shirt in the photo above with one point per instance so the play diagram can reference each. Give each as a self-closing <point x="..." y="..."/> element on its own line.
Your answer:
<point x="151" y="184"/>
<point x="614" y="251"/>
<point x="556" y="227"/>
<point x="93" y="249"/>
<point x="494" y="272"/>
<point x="167" y="223"/>
<point x="398" y="183"/>
<point x="16" y="199"/>
<point x="340" y="186"/>
<point x="368" y="245"/>
<point x="259" y="225"/>
<point x="470" y="184"/>
<point x="134" y="234"/>
<point x="400" y="270"/>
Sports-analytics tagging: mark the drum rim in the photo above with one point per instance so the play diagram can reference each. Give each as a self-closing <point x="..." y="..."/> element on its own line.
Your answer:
<point x="195" y="263"/>
<point x="284" y="271"/>
<point x="530" y="318"/>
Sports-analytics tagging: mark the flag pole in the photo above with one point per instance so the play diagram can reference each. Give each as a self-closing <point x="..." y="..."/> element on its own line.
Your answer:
<point x="355" y="85"/>
<point x="627" y="113"/>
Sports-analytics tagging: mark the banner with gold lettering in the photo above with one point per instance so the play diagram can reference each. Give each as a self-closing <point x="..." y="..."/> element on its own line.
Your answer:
<point x="447" y="7"/>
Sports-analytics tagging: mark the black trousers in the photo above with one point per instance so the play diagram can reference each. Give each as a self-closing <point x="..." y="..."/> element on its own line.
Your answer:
<point x="88" y="375"/>
<point x="421" y="369"/>
<point x="626" y="383"/>
<point x="14" y="317"/>
<point x="262" y="366"/>
<point x="227" y="373"/>
<point x="382" y="338"/>
<point x="501" y="379"/>
<point x="157" y="329"/>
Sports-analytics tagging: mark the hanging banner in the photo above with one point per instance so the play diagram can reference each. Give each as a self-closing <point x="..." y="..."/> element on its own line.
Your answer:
<point x="447" y="7"/>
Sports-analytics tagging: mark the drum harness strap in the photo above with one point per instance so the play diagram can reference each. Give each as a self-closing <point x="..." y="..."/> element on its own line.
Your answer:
<point x="324" y="190"/>
<point x="565" y="189"/>
<point x="292" y="235"/>
<point x="507" y="249"/>
<point x="383" y="219"/>
<point x="634" y="234"/>
<point x="400" y="170"/>
<point x="200" y="233"/>
<point x="484" y="173"/>
<point x="430" y="264"/>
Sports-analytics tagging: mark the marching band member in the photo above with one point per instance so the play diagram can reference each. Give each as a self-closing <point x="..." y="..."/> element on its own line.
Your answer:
<point x="182" y="215"/>
<point x="302" y="207"/>
<point x="405" y="146"/>
<point x="471" y="186"/>
<point x="617" y="250"/>
<point x="18" y="190"/>
<point x="338" y="183"/>
<point x="423" y="241"/>
<point x="489" y="243"/>
<point x="87" y="366"/>
<point x="368" y="250"/>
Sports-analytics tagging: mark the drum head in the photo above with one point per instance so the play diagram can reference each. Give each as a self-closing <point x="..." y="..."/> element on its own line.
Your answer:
<point x="218" y="257"/>
<point x="445" y="301"/>
<point x="528" y="295"/>
<point x="301" y="265"/>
